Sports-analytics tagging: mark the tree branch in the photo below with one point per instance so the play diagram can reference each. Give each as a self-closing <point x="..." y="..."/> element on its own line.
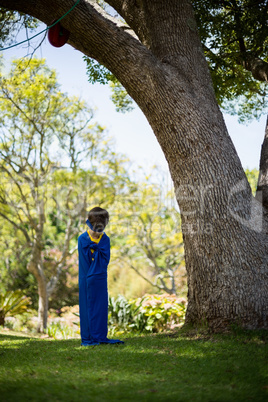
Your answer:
<point x="32" y="121"/>
<point x="23" y="197"/>
<point x="262" y="188"/>
<point x="257" y="66"/>
<point x="66" y="252"/>
<point x="133" y="14"/>
<point x="17" y="227"/>
<point x="155" y="284"/>
<point x="101" y="38"/>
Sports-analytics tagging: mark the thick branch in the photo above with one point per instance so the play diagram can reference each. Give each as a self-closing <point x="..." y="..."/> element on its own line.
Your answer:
<point x="133" y="14"/>
<point x="257" y="66"/>
<point x="93" y="32"/>
<point x="104" y="40"/>
<point x="262" y="188"/>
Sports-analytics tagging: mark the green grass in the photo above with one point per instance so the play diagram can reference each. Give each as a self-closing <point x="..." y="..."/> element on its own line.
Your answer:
<point x="179" y="367"/>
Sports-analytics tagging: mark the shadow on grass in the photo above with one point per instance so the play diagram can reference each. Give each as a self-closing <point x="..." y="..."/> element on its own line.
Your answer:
<point x="145" y="368"/>
<point x="7" y="337"/>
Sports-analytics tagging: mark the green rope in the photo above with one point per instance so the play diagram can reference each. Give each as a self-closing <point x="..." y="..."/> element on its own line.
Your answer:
<point x="39" y="33"/>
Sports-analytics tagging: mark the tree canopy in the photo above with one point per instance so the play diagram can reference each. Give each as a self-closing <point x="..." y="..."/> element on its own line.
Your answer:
<point x="234" y="35"/>
<point x="235" y="51"/>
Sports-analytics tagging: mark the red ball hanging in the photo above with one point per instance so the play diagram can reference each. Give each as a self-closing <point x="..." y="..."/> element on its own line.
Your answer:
<point x="57" y="35"/>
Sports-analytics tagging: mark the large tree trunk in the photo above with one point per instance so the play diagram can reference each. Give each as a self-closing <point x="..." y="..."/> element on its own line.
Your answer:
<point x="165" y="72"/>
<point x="225" y="246"/>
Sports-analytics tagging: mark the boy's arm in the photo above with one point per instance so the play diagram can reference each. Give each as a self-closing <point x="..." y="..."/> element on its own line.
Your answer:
<point x="102" y="248"/>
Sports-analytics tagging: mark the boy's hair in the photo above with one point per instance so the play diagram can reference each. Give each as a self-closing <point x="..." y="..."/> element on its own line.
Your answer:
<point x="99" y="218"/>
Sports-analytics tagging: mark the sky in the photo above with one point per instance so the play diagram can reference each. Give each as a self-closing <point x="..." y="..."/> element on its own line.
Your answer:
<point x="131" y="131"/>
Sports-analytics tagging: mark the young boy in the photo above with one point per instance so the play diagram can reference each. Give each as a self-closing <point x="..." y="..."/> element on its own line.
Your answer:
<point x="94" y="257"/>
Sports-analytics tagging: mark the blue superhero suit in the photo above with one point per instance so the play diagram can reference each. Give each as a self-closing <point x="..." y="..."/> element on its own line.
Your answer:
<point x="93" y="292"/>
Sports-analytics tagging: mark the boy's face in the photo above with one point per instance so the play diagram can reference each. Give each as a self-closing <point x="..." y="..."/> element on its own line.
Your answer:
<point x="96" y="235"/>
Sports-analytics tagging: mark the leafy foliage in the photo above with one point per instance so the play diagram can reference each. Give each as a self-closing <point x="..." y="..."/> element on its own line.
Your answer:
<point x="12" y="303"/>
<point x="122" y="101"/>
<point x="151" y="313"/>
<point x="252" y="176"/>
<point x="231" y="32"/>
<point x="57" y="330"/>
<point x="11" y="22"/>
<point x="121" y="313"/>
<point x="97" y="72"/>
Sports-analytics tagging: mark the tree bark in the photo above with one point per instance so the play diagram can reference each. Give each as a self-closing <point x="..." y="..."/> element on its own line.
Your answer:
<point x="165" y="72"/>
<point x="2" y="319"/>
<point x="34" y="266"/>
<point x="42" y="305"/>
<point x="257" y="66"/>
<point x="262" y="187"/>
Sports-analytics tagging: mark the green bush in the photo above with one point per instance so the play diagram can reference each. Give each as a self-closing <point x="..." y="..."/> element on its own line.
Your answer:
<point x="121" y="312"/>
<point x="12" y="303"/>
<point x="151" y="313"/>
<point x="23" y="322"/>
<point x="58" y="330"/>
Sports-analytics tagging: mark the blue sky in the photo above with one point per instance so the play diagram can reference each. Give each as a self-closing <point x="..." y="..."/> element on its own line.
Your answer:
<point x="131" y="131"/>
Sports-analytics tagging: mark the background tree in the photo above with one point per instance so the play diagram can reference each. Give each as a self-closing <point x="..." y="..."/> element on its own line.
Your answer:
<point x="148" y="236"/>
<point x="236" y="55"/>
<point x="41" y="198"/>
<point x="156" y="54"/>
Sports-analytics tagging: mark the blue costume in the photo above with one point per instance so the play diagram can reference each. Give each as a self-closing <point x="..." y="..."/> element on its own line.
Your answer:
<point x="93" y="292"/>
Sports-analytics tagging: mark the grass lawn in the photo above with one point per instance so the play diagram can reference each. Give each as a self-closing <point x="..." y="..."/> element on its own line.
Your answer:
<point x="179" y="367"/>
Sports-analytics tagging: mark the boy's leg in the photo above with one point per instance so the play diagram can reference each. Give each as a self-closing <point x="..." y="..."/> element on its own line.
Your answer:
<point x="83" y="310"/>
<point x="97" y="296"/>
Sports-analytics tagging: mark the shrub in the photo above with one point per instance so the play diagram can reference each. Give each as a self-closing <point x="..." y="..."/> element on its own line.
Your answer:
<point x="151" y="313"/>
<point x="162" y="312"/>
<point x="13" y="303"/>
<point x="22" y="322"/>
<point x="121" y="312"/>
<point x="58" y="330"/>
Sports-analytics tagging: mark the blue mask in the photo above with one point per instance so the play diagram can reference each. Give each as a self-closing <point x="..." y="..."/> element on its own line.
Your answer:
<point x="98" y="230"/>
